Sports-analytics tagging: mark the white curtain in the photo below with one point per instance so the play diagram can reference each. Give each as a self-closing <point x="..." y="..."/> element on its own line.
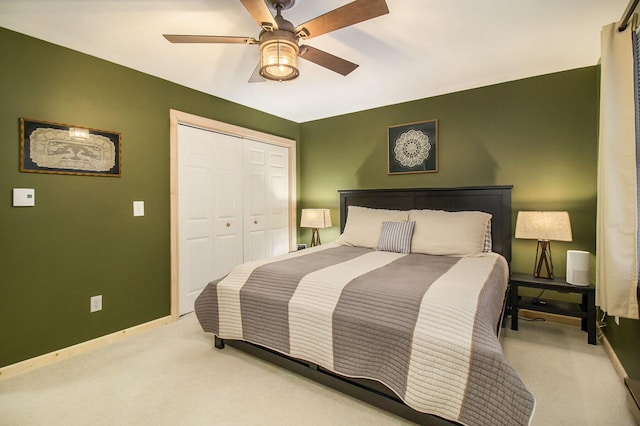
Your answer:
<point x="616" y="235"/>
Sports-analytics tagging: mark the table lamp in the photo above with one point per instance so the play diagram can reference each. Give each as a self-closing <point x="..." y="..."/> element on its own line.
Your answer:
<point x="544" y="227"/>
<point x="315" y="219"/>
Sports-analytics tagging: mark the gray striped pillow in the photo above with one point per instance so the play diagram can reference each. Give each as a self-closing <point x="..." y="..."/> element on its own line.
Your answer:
<point x="487" y="247"/>
<point x="396" y="237"/>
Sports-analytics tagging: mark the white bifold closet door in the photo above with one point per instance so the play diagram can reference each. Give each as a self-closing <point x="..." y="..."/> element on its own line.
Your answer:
<point x="266" y="200"/>
<point x="232" y="206"/>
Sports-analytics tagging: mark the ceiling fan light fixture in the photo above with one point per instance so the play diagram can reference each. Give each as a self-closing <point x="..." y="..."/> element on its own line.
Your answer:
<point x="279" y="39"/>
<point x="279" y="60"/>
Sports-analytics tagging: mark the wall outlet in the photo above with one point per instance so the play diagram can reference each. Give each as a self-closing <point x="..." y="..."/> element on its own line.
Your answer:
<point x="96" y="303"/>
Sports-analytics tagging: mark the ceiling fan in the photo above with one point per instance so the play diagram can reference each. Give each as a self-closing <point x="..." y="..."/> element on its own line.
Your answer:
<point x="279" y="39"/>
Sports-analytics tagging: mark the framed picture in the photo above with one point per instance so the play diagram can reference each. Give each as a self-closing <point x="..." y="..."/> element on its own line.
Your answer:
<point x="71" y="150"/>
<point x="413" y="148"/>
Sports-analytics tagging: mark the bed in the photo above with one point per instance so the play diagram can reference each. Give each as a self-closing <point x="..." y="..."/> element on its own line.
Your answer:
<point x="395" y="312"/>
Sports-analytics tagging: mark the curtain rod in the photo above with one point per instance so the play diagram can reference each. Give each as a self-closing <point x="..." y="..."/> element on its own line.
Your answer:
<point x="626" y="17"/>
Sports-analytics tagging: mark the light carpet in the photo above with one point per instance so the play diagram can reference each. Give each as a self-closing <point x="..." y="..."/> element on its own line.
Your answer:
<point x="172" y="375"/>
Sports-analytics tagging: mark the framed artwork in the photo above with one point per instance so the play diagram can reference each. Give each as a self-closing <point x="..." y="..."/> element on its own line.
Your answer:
<point x="71" y="150"/>
<point x="413" y="148"/>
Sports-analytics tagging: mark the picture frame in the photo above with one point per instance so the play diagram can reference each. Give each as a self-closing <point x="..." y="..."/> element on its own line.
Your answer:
<point x="47" y="147"/>
<point x="413" y="148"/>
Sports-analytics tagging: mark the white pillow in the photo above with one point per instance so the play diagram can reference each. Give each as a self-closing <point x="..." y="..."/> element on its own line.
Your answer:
<point x="364" y="225"/>
<point x="445" y="233"/>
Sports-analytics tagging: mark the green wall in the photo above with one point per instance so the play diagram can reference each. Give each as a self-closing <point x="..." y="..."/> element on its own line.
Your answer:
<point x="81" y="238"/>
<point x="539" y="134"/>
<point x="625" y="340"/>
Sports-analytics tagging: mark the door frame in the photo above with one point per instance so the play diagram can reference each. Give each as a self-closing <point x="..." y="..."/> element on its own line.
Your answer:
<point x="178" y="117"/>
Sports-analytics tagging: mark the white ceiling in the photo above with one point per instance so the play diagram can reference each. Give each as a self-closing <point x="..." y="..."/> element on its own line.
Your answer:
<point x="422" y="48"/>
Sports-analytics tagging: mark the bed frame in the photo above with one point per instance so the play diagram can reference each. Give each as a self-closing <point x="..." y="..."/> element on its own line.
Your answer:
<point x="491" y="199"/>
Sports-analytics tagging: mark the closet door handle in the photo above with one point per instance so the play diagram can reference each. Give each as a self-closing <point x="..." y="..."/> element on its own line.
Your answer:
<point x="228" y="224"/>
<point x="255" y="222"/>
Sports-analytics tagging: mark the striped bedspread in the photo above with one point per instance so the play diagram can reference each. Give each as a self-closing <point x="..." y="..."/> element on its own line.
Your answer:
<point x="422" y="325"/>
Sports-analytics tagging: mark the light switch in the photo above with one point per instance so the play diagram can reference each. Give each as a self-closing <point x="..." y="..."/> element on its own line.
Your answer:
<point x="24" y="197"/>
<point x="138" y="208"/>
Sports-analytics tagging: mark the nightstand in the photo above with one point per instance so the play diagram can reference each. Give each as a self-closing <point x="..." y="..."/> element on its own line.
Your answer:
<point x="585" y="310"/>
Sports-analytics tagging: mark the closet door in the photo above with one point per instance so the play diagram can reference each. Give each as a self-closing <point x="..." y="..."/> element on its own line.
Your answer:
<point x="266" y="200"/>
<point x="232" y="206"/>
<point x="209" y="209"/>
<point x="226" y="193"/>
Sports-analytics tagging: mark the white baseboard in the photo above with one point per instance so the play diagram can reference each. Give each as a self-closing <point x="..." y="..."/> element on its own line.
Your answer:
<point x="558" y="319"/>
<point x="46" y="359"/>
<point x="617" y="365"/>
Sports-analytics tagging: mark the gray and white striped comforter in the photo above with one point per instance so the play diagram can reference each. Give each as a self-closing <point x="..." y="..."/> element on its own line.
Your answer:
<point x="422" y="325"/>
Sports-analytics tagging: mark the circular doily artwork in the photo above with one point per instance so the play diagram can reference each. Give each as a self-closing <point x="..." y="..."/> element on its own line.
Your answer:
<point x="412" y="148"/>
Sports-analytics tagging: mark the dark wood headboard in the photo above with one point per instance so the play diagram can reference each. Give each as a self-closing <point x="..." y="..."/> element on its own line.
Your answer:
<point x="495" y="200"/>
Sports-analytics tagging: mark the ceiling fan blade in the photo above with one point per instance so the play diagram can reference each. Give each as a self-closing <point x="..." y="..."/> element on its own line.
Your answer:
<point x="349" y="14"/>
<point x="174" y="38"/>
<point x="256" y="77"/>
<point x="327" y="60"/>
<point x="261" y="13"/>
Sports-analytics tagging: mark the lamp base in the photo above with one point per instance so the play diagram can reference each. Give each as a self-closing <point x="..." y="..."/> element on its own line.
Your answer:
<point x="543" y="256"/>
<point x="315" y="237"/>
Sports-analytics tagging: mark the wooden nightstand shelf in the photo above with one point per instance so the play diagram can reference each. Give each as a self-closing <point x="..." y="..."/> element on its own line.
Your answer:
<point x="585" y="310"/>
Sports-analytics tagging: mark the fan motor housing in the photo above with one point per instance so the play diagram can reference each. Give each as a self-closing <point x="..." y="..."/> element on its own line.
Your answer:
<point x="283" y="4"/>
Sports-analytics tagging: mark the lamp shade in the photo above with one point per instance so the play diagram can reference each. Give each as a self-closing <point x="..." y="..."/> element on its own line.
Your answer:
<point x="551" y="226"/>
<point x="279" y="60"/>
<point x="315" y="218"/>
